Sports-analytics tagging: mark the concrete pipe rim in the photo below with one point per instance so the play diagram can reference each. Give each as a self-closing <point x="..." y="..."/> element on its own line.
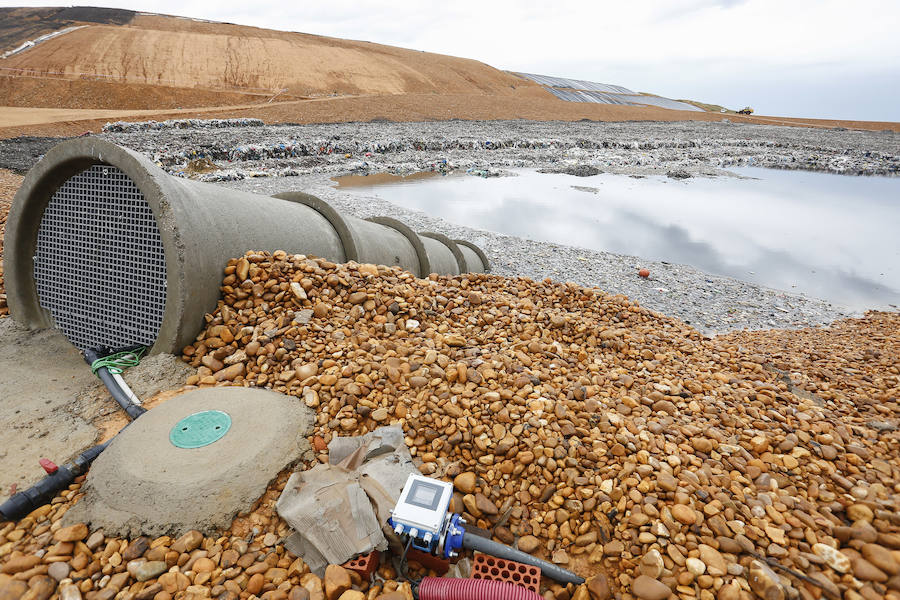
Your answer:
<point x="345" y="234"/>
<point x="481" y="255"/>
<point x="457" y="253"/>
<point x="59" y="164"/>
<point x="413" y="237"/>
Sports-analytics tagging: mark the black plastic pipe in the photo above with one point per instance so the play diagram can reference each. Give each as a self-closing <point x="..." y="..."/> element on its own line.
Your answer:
<point x="474" y="542"/>
<point x="41" y="493"/>
<point x="132" y="409"/>
<point x="19" y="505"/>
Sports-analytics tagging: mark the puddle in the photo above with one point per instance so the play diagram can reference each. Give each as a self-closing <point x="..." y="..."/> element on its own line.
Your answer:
<point x="828" y="236"/>
<point x="353" y="181"/>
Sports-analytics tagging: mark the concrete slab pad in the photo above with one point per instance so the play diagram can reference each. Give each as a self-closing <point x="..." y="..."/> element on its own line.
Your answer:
<point x="145" y="484"/>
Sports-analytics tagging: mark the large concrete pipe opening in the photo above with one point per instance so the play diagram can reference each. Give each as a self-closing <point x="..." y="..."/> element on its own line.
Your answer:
<point x="105" y="245"/>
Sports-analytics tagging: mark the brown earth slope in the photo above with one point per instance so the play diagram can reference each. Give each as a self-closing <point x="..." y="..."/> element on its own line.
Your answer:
<point x="183" y="53"/>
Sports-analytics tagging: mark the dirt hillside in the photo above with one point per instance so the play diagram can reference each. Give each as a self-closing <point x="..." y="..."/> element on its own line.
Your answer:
<point x="186" y="54"/>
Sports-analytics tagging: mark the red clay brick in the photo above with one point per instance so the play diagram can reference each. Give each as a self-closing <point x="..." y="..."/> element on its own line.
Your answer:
<point x="364" y="564"/>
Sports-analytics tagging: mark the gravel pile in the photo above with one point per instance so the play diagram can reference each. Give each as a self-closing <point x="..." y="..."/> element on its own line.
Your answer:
<point x="576" y="425"/>
<point x="582" y="427"/>
<point x="274" y="159"/>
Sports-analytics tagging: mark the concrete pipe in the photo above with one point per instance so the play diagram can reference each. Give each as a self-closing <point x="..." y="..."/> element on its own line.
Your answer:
<point x="105" y="245"/>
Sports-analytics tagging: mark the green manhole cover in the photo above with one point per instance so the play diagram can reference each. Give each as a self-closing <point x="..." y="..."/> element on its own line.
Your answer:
<point x="200" y="429"/>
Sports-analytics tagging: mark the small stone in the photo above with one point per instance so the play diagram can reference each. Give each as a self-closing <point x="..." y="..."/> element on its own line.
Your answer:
<point x="651" y="564"/>
<point x="356" y="298"/>
<point x="560" y="557"/>
<point x="69" y="591"/>
<point x="614" y="548"/>
<point x="40" y="587"/>
<point x="529" y="543"/>
<point x="504" y="535"/>
<point x="860" y="512"/>
<point x="59" y="570"/>
<point x="196" y="592"/>
<point x="684" y="514"/>
<point x="715" y="562"/>
<point x="485" y="505"/>
<point x="20" y="563"/>
<point x="337" y="581"/>
<point x="94" y="540"/>
<point x="647" y="588"/>
<point x="666" y="482"/>
<point x="203" y="565"/>
<point x="73" y="533"/>
<point x="764" y="582"/>
<point x="834" y="559"/>
<point x="863" y="569"/>
<point x="882" y="558"/>
<point x="255" y="583"/>
<point x="465" y="482"/>
<point x="270" y="539"/>
<point x="379" y="414"/>
<point x="150" y="569"/>
<point x="598" y="586"/>
<point x="353" y="595"/>
<point x="729" y="591"/>
<point x="695" y="566"/>
<point x="136" y="548"/>
<point x="189" y="542"/>
<point x="12" y="589"/>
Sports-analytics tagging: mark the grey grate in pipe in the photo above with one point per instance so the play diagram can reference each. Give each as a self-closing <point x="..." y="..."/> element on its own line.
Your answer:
<point x="100" y="266"/>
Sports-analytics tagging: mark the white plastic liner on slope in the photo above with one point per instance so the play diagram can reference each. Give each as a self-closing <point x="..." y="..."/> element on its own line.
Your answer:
<point x="576" y="84"/>
<point x="576" y="90"/>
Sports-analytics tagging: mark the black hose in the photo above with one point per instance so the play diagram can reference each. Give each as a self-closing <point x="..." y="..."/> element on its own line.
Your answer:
<point x="132" y="409"/>
<point x="474" y="542"/>
<point x="47" y="488"/>
<point x="19" y="505"/>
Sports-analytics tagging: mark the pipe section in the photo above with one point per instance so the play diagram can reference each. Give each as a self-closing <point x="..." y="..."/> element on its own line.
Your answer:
<point x="446" y="588"/>
<point x="202" y="226"/>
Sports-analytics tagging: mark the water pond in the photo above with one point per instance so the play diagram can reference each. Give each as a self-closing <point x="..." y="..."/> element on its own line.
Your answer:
<point x="827" y="236"/>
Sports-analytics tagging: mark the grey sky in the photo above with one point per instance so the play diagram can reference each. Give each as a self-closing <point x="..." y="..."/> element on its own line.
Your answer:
<point x="813" y="58"/>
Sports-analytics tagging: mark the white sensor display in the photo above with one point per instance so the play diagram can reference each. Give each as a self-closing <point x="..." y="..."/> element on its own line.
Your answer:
<point x="423" y="504"/>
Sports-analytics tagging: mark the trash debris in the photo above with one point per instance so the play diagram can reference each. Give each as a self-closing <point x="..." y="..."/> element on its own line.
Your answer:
<point x="134" y="127"/>
<point x="337" y="510"/>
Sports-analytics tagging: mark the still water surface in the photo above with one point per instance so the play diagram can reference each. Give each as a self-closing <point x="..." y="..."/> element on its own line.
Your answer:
<point x="828" y="236"/>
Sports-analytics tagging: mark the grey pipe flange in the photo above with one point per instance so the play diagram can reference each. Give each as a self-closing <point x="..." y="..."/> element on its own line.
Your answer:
<point x="457" y="253"/>
<point x="345" y="234"/>
<point x="413" y="237"/>
<point x="484" y="260"/>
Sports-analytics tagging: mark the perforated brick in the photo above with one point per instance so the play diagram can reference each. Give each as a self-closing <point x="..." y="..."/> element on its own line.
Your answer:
<point x="499" y="569"/>
<point x="364" y="564"/>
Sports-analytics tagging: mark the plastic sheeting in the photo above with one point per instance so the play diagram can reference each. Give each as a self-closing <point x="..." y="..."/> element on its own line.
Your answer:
<point x="577" y="90"/>
<point x="576" y="84"/>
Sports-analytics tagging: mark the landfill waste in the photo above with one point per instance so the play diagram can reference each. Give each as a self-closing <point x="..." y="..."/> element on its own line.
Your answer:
<point x="132" y="127"/>
<point x="337" y="510"/>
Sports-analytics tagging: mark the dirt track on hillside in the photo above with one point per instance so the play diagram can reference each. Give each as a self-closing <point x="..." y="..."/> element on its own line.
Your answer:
<point x="400" y="108"/>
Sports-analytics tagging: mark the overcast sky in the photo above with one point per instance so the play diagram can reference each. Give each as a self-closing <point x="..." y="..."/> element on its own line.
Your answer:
<point x="812" y="58"/>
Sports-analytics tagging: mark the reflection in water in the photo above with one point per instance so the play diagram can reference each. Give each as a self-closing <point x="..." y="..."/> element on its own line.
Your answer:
<point x="829" y="236"/>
